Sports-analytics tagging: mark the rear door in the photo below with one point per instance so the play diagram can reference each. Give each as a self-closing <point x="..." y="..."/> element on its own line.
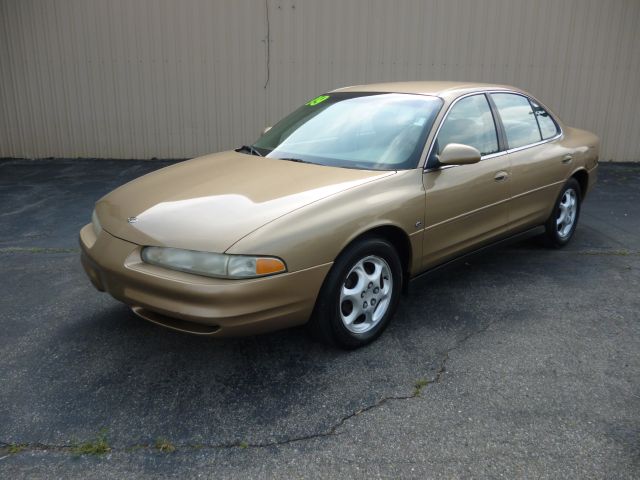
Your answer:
<point x="466" y="205"/>
<point x="539" y="164"/>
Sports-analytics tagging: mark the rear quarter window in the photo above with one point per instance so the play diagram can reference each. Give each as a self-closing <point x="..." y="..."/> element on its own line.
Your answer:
<point x="548" y="126"/>
<point x="518" y="119"/>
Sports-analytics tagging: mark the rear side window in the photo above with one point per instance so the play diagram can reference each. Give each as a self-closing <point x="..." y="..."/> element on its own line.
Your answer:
<point x="518" y="119"/>
<point x="469" y="122"/>
<point x="548" y="126"/>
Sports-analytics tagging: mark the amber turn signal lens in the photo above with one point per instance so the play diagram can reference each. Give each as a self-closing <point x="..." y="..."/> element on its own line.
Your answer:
<point x="265" y="266"/>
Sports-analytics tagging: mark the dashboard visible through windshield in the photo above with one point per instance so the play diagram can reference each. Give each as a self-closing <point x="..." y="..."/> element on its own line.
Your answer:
<point x="372" y="131"/>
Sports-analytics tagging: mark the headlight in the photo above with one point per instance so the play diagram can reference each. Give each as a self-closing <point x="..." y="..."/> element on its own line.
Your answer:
<point x="217" y="265"/>
<point x="97" y="228"/>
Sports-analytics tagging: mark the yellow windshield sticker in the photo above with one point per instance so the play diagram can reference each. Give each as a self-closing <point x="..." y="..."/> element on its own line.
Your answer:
<point x="317" y="100"/>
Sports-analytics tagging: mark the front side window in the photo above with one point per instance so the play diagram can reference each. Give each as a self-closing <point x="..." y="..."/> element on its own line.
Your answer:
<point x="518" y="119"/>
<point x="548" y="127"/>
<point x="469" y="122"/>
<point x="373" y="131"/>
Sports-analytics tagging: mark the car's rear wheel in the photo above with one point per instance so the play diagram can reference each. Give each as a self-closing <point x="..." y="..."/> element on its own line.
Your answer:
<point x="359" y="296"/>
<point x="564" y="218"/>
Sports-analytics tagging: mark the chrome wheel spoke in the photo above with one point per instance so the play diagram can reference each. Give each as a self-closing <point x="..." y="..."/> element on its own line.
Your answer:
<point x="381" y="309"/>
<point x="573" y="202"/>
<point x="355" y="313"/>
<point x="375" y="276"/>
<point x="350" y="293"/>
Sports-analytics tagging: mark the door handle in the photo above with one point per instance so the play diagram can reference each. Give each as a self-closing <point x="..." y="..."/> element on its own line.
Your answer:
<point x="501" y="176"/>
<point x="567" y="158"/>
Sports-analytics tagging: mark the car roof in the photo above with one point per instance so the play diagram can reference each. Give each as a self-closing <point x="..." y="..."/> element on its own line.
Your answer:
<point x="448" y="90"/>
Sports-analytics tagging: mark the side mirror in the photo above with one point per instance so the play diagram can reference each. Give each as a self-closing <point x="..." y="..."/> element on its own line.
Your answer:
<point x="458" y="154"/>
<point x="266" y="129"/>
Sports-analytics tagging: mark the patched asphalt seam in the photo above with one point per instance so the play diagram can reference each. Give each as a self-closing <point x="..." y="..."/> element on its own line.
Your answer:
<point x="331" y="431"/>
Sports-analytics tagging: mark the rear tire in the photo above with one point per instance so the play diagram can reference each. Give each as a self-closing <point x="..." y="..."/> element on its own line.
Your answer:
<point x="359" y="296"/>
<point x="563" y="221"/>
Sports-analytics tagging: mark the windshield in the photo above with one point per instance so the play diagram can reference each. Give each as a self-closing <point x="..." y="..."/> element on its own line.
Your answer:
<point x="373" y="131"/>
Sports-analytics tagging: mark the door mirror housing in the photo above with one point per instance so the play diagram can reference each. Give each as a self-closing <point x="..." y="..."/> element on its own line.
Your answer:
<point x="458" y="154"/>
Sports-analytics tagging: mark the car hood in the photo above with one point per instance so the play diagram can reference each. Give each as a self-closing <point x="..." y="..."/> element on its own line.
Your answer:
<point x="211" y="202"/>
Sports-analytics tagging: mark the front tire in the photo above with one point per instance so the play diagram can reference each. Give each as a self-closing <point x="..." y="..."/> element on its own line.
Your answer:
<point x="563" y="221"/>
<point x="359" y="296"/>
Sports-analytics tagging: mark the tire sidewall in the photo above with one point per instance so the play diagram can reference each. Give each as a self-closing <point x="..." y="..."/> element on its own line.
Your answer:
<point x="330" y="301"/>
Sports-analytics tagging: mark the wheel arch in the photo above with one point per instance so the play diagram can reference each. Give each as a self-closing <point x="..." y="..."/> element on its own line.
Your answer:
<point x="398" y="238"/>
<point x="582" y="177"/>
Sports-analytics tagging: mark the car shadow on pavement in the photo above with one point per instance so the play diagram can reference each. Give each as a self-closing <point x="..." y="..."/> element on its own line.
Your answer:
<point x="103" y="367"/>
<point x="111" y="369"/>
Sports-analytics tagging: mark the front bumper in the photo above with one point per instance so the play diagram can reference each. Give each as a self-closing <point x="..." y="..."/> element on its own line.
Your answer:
<point x="197" y="304"/>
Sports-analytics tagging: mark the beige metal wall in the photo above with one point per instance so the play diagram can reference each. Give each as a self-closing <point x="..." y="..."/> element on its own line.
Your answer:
<point x="169" y="78"/>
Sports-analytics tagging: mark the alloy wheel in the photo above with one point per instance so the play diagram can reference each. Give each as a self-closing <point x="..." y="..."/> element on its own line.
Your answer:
<point x="567" y="210"/>
<point x="365" y="294"/>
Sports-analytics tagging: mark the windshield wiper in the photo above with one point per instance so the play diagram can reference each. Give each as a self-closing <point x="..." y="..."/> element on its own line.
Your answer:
<point x="251" y="149"/>
<point x="297" y="160"/>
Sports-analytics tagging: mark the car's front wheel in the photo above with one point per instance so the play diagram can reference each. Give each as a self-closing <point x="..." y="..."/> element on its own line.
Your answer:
<point x="360" y="294"/>
<point x="564" y="217"/>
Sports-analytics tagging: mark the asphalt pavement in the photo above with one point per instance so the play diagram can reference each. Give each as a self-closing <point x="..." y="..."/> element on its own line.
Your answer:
<point x="520" y="363"/>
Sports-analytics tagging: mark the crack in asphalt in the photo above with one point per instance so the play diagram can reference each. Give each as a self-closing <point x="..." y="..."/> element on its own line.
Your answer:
<point x="333" y="430"/>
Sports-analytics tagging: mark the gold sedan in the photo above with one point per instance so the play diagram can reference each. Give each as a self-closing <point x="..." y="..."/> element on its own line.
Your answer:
<point x="328" y="215"/>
